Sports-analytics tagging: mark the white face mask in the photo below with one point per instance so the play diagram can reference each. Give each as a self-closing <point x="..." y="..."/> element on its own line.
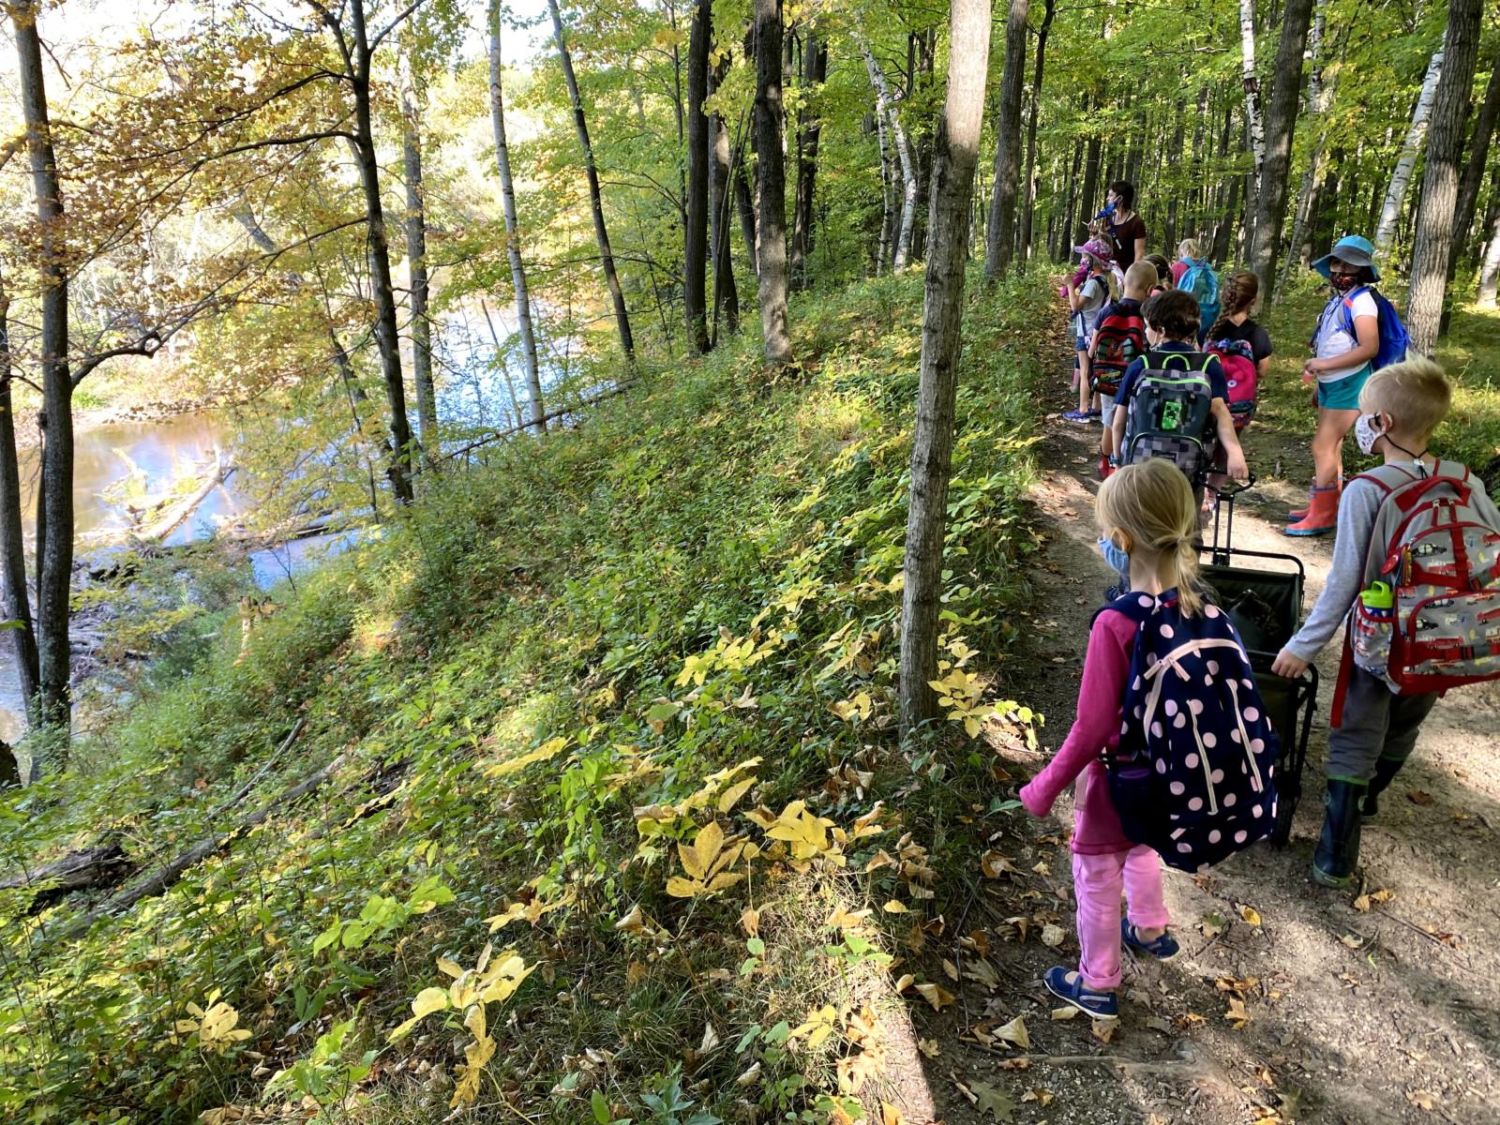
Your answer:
<point x="1365" y="433"/>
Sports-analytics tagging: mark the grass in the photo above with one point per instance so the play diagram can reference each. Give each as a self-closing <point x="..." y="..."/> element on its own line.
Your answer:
<point x="546" y="683"/>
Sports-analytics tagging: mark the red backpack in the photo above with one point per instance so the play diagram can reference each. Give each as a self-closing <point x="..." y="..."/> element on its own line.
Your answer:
<point x="1120" y="337"/>
<point x="1243" y="376"/>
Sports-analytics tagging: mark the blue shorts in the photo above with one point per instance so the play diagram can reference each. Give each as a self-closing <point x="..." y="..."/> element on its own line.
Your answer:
<point x="1343" y="394"/>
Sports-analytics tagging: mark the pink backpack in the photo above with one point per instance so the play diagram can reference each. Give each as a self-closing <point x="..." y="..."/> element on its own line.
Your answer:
<point x="1242" y="375"/>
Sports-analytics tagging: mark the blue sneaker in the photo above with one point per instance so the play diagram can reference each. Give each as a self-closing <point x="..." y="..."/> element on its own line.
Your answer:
<point x="1079" y="417"/>
<point x="1163" y="948"/>
<point x="1091" y="1001"/>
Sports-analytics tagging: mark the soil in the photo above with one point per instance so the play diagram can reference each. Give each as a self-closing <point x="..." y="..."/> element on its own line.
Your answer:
<point x="1379" y="1004"/>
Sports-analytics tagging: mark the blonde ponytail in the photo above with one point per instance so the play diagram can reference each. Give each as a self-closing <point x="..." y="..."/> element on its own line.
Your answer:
<point x="1153" y="505"/>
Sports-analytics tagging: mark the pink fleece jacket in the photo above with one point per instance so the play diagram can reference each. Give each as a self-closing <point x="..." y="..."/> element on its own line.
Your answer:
<point x="1097" y="727"/>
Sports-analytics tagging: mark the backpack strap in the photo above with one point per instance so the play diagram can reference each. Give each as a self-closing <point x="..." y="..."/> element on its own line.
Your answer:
<point x="1341" y="685"/>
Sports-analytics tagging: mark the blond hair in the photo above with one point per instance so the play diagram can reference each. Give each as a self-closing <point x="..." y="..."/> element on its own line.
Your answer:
<point x="1140" y="277"/>
<point x="1153" y="505"/>
<point x="1190" y="248"/>
<point x="1415" y="393"/>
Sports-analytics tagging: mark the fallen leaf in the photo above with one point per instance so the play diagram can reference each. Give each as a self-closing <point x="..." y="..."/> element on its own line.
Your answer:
<point x="1190" y="1019"/>
<point x="1212" y="925"/>
<point x="1250" y="915"/>
<point x="1065" y="1013"/>
<point x="1422" y="1099"/>
<point x="982" y="972"/>
<point x="889" y="1114"/>
<point x="1353" y="941"/>
<point x="895" y="906"/>
<point x="1041" y="868"/>
<point x="906" y="981"/>
<point x="1053" y="935"/>
<point x="989" y="1099"/>
<point x="1042" y="1097"/>
<point x="935" y="994"/>
<point x="950" y="969"/>
<point x="1104" y="1030"/>
<point x="994" y="865"/>
<point x="929" y="1047"/>
<point x="1418" y="797"/>
<point x="1237" y="1015"/>
<point x="1015" y="1033"/>
<point x="1157" y="1023"/>
<point x="750" y="920"/>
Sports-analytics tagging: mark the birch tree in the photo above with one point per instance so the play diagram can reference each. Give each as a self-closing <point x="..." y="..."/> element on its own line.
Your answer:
<point x="1250" y="79"/>
<point x="1434" y="231"/>
<point x="513" y="227"/>
<point x="956" y="153"/>
<point x="1406" y="161"/>
<point x="771" y="180"/>
<point x="886" y="108"/>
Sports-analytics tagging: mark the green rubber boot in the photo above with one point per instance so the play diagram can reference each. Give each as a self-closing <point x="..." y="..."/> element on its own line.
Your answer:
<point x="1337" y="852"/>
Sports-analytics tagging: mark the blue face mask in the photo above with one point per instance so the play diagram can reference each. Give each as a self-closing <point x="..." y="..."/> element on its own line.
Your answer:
<point x="1117" y="558"/>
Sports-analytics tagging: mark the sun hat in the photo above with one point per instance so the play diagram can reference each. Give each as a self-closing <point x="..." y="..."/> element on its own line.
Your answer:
<point x="1353" y="249"/>
<point x="1097" y="248"/>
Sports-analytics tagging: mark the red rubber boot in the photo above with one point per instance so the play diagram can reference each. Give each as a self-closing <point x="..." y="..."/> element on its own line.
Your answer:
<point x="1322" y="513"/>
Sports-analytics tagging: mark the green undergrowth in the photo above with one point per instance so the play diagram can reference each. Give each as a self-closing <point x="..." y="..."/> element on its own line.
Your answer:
<point x="617" y="815"/>
<point x="1468" y="353"/>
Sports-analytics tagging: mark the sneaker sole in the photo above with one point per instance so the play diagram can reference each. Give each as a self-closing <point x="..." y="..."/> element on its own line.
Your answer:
<point x="1071" y="1002"/>
<point x="1332" y="882"/>
<point x="1141" y="951"/>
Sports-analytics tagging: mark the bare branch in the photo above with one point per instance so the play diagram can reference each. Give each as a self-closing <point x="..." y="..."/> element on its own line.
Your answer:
<point x="390" y="27"/>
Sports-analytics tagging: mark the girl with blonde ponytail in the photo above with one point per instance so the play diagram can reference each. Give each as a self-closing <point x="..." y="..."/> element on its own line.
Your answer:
<point x="1147" y="511"/>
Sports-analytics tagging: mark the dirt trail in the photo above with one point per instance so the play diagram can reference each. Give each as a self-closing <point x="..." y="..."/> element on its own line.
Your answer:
<point x="1381" y="1014"/>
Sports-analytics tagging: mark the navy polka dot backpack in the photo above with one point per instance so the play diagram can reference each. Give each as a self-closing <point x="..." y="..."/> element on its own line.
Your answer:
<point x="1193" y="777"/>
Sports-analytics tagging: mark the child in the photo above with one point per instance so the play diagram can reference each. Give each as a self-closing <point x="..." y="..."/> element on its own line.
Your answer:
<point x="1174" y="318"/>
<point x="1147" y="511"/>
<point x="1119" y="338"/>
<point x="1189" y="250"/>
<point x="1242" y="345"/>
<point x="1085" y="302"/>
<point x="1400" y="407"/>
<point x="1165" y="278"/>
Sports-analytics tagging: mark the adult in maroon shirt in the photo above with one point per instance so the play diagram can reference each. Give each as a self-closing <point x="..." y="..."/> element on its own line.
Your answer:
<point x="1126" y="227"/>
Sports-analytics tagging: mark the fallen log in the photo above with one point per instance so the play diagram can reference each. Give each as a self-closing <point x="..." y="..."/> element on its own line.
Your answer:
<point x="161" y="879"/>
<point x="101" y="866"/>
<point x="164" y="526"/>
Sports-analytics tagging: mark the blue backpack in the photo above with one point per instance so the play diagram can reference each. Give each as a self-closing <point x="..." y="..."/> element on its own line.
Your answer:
<point x="1394" y="339"/>
<point x="1200" y="280"/>
<point x="1194" y="775"/>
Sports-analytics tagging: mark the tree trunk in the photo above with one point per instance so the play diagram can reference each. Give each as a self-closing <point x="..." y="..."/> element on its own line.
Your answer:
<point x="1473" y="178"/>
<point x="1028" y="215"/>
<point x="416" y="263"/>
<point x="1064" y="245"/>
<point x="695" y="237"/>
<point x="1306" y="207"/>
<point x="1395" y="194"/>
<point x="387" y="334"/>
<point x="726" y="297"/>
<point x="814" y="72"/>
<point x="1489" y="267"/>
<point x="771" y="180"/>
<point x="1000" y="240"/>
<point x="745" y="205"/>
<point x="886" y="106"/>
<point x="1434" y="230"/>
<point x="512" y="230"/>
<point x="887" y="198"/>
<point x="54" y="535"/>
<point x="16" y="602"/>
<point x="1091" y="163"/>
<point x="1250" y="79"/>
<point x="956" y="154"/>
<point x="596" y="200"/>
<point x="1281" y="123"/>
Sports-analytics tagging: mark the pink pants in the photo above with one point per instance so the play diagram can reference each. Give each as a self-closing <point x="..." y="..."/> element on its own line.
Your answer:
<point x="1097" y="883"/>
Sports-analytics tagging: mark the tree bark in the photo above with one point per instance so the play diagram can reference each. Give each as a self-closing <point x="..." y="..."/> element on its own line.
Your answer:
<point x="885" y="105"/>
<point x="887" y="198"/>
<point x="1434" y="230"/>
<point x="1029" y="180"/>
<point x="814" y="72"/>
<point x="596" y="199"/>
<point x="726" y="296"/>
<point x="513" y="229"/>
<point x="1473" y="177"/>
<point x="1306" y="205"/>
<point x="955" y="157"/>
<point x="1091" y="163"/>
<point x="1395" y="194"/>
<point x="1000" y="241"/>
<point x="1250" y="79"/>
<point x="745" y="205"/>
<point x="695" y="237"/>
<point x="54" y="534"/>
<point x="771" y="180"/>
<point x="1489" y="267"/>
<point x="416" y="263"/>
<point x="16" y="604"/>
<point x="1281" y="123"/>
<point x="387" y="333"/>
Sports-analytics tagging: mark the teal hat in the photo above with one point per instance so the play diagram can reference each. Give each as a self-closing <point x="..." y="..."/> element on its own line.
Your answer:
<point x="1353" y="249"/>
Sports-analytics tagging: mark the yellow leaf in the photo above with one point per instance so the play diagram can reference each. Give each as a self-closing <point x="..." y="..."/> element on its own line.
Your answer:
<point x="905" y="982"/>
<point x="1015" y="1033"/>
<point x="429" y="1000"/>
<point x="633" y="922"/>
<point x="731" y="796"/>
<point x="678" y="887"/>
<point x="889" y="1114"/>
<point x="935" y="994"/>
<point x="723" y="880"/>
<point x="512" y="913"/>
<point x="1053" y="935"/>
<point x="895" y="906"/>
<point x="762" y="816"/>
<point x="842" y="919"/>
<point x="475" y="1021"/>
<point x="750" y="920"/>
<point x="1250" y="915"/>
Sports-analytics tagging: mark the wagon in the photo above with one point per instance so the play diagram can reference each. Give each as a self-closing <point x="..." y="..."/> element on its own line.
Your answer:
<point x="1262" y="593"/>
